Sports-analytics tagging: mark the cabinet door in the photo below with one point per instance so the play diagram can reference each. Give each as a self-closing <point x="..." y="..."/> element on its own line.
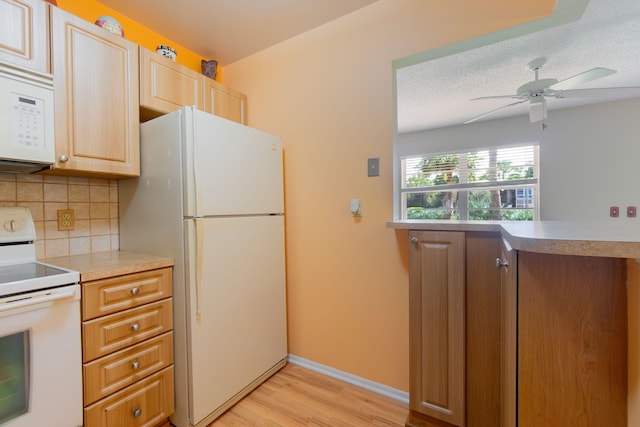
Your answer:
<point x="508" y="265"/>
<point x="24" y="33"/>
<point x="166" y="86"/>
<point x="482" y="329"/>
<point x="96" y="99"/>
<point x="225" y="102"/>
<point x="437" y="325"/>
<point x="572" y="341"/>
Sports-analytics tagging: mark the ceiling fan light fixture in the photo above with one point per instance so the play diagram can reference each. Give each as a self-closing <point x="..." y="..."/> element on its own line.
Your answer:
<point x="537" y="109"/>
<point x="538" y="89"/>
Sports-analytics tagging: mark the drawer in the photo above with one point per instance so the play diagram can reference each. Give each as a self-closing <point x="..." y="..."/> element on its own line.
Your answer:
<point x="101" y="297"/>
<point x="118" y="370"/>
<point x="143" y="404"/>
<point x="114" y="332"/>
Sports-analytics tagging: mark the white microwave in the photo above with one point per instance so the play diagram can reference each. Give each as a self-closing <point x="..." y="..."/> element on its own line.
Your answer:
<point x="26" y="120"/>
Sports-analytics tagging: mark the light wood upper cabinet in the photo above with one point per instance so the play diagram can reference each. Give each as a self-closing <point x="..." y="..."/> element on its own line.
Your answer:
<point x="166" y="86"/>
<point x="24" y="33"/>
<point x="225" y="102"/>
<point x="96" y="99"/>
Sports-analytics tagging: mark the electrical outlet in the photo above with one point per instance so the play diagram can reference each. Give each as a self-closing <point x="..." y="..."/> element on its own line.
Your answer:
<point x="66" y="220"/>
<point x="631" y="211"/>
<point x="614" y="211"/>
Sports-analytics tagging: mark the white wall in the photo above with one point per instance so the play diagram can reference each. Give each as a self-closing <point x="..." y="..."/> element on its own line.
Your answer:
<point x="589" y="156"/>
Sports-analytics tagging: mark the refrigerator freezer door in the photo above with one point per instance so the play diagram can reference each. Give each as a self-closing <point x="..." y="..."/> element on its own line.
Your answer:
<point x="237" y="320"/>
<point x="237" y="170"/>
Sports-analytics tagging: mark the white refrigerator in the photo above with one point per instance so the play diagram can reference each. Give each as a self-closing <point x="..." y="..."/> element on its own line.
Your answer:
<point x="210" y="196"/>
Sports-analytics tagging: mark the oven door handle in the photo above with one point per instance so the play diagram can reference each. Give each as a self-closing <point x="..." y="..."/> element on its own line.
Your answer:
<point x="22" y="301"/>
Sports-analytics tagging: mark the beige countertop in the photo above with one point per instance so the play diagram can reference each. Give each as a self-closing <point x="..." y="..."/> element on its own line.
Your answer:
<point x="586" y="238"/>
<point x="100" y="265"/>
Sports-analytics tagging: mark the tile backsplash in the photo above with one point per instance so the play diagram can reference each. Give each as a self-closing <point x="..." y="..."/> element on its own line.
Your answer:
<point x="95" y="206"/>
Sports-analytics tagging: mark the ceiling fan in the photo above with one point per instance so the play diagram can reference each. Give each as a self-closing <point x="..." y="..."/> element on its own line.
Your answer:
<point x="536" y="91"/>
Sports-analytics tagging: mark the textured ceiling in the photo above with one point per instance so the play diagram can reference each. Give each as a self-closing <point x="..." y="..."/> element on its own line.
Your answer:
<point x="229" y="30"/>
<point x="437" y="92"/>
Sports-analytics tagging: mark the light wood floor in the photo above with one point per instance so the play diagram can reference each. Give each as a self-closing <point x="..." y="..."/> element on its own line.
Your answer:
<point x="296" y="396"/>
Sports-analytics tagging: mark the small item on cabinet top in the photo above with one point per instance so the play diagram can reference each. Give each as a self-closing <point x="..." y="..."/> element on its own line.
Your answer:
<point x="167" y="51"/>
<point x="110" y="24"/>
<point x="209" y="68"/>
<point x="53" y="2"/>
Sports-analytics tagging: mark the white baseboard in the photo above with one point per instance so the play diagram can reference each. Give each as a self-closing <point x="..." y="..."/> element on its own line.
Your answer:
<point x="375" y="387"/>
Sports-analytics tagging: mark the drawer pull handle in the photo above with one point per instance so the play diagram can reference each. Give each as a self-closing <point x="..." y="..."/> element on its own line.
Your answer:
<point x="135" y="291"/>
<point x="135" y="365"/>
<point x="135" y="327"/>
<point x="137" y="412"/>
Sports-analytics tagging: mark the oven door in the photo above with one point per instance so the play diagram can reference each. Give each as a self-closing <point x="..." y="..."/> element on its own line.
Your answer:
<point x="40" y="359"/>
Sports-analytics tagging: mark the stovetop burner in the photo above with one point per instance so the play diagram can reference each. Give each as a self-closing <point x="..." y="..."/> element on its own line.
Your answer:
<point x="27" y="271"/>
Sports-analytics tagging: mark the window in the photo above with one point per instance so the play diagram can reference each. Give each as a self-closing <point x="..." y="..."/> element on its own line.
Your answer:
<point x="499" y="183"/>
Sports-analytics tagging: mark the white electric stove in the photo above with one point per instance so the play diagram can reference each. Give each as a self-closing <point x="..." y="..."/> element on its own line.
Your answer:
<point x="40" y="345"/>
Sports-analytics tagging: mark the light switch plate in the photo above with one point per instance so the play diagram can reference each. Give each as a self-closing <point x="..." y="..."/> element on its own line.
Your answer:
<point x="373" y="166"/>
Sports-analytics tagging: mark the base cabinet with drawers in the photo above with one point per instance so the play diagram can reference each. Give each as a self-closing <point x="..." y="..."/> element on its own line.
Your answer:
<point x="127" y="349"/>
<point x="127" y="338"/>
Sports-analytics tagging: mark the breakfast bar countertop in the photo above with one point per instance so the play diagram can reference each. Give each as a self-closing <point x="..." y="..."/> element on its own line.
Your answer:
<point x="584" y="238"/>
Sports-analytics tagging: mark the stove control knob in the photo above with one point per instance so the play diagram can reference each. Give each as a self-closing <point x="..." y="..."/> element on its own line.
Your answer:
<point x="14" y="225"/>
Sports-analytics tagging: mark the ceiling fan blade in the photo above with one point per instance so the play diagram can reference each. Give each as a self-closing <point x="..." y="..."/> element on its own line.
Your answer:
<point x="582" y="78"/>
<point x="605" y="92"/>
<point x="493" y="111"/>
<point x="497" y="97"/>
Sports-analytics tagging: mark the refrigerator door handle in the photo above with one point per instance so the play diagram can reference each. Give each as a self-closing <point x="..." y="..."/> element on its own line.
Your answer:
<point x="194" y="169"/>
<point x="199" y="239"/>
